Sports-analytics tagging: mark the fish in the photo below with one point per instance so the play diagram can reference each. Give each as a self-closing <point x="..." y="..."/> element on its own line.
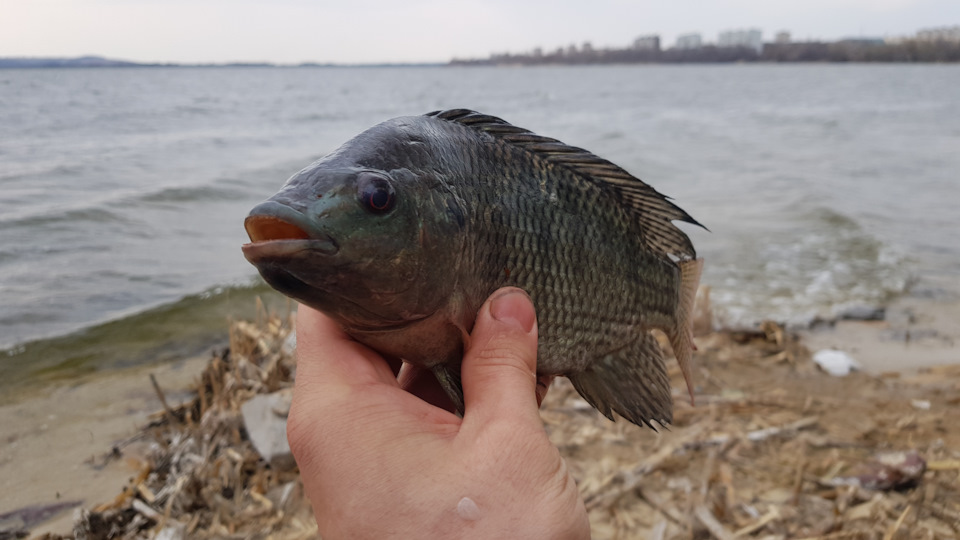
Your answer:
<point x="403" y="232"/>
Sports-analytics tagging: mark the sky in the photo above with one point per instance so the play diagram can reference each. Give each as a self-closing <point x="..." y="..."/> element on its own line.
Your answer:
<point x="379" y="31"/>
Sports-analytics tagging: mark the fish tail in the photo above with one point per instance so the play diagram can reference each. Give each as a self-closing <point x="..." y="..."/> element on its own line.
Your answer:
<point x="681" y="333"/>
<point x="630" y="381"/>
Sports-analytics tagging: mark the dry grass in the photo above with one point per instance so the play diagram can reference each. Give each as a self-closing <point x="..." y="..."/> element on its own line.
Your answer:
<point x="773" y="449"/>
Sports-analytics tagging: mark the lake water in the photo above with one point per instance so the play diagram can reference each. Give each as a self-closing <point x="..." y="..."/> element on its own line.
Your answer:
<point x="123" y="191"/>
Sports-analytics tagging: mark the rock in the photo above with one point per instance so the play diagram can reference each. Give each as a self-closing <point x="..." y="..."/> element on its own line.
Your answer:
<point x="886" y="471"/>
<point x="176" y="532"/>
<point x="836" y="363"/>
<point x="289" y="344"/>
<point x="265" y="419"/>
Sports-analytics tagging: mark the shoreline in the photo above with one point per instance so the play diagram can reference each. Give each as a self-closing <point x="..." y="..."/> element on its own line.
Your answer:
<point x="916" y="332"/>
<point x="75" y="425"/>
<point x="57" y="441"/>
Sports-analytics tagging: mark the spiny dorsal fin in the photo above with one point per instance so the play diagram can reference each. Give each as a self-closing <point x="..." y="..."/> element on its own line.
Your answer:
<point x="653" y="210"/>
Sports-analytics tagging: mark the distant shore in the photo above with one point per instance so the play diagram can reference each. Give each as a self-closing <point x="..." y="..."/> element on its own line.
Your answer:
<point x="844" y="51"/>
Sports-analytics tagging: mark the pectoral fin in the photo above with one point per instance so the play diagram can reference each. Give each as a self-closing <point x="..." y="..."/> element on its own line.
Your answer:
<point x="449" y="380"/>
<point x="631" y="381"/>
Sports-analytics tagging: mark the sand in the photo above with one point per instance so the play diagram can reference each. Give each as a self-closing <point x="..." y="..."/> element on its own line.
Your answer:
<point x="915" y="333"/>
<point x="55" y="442"/>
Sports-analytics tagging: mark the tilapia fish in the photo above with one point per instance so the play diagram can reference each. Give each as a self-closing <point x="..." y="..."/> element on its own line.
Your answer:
<point x="402" y="233"/>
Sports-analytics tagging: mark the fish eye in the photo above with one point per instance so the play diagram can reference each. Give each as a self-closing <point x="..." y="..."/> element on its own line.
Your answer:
<point x="375" y="193"/>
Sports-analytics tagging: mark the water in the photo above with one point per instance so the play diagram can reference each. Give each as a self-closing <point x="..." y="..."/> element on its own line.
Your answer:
<point x="122" y="191"/>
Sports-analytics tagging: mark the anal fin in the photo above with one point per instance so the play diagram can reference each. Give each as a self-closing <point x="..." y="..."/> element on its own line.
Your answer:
<point x="632" y="381"/>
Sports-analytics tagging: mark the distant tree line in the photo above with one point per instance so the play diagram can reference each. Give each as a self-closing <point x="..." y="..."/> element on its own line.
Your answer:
<point x="839" y="51"/>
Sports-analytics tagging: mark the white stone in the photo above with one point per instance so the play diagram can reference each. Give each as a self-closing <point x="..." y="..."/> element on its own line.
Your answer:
<point x="836" y="363"/>
<point x="264" y="417"/>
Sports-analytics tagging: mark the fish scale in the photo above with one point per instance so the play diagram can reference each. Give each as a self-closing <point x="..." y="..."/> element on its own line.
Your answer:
<point x="466" y="204"/>
<point x="597" y="315"/>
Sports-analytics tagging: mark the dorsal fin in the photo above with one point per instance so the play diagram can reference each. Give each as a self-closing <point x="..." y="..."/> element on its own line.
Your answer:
<point x="653" y="210"/>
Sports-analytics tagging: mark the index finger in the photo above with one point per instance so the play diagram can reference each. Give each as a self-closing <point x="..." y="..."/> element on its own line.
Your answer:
<point x="325" y="354"/>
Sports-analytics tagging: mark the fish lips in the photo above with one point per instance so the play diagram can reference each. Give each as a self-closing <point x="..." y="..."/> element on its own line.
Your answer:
<point x="278" y="232"/>
<point x="285" y="246"/>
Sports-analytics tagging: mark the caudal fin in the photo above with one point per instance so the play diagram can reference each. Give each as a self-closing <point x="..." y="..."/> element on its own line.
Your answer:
<point x="681" y="334"/>
<point x="631" y="381"/>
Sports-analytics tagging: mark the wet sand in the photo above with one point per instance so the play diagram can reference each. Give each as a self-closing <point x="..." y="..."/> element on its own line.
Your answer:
<point x="915" y="333"/>
<point x="54" y="445"/>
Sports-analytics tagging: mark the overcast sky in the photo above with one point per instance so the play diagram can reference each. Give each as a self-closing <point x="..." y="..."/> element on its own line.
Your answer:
<point x="365" y="31"/>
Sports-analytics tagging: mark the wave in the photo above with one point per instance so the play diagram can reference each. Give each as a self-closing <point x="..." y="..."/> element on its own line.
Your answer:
<point x="101" y="210"/>
<point x="189" y="194"/>
<point x="92" y="214"/>
<point x="813" y="266"/>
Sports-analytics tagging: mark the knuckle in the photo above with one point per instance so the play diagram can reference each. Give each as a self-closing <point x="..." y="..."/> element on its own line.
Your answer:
<point x="504" y="353"/>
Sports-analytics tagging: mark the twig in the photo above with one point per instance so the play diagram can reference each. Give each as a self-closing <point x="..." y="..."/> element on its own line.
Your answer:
<point x="707" y="474"/>
<point x="628" y="479"/>
<point x="659" y="504"/>
<point x="757" y="435"/>
<point x="798" y="482"/>
<point x="709" y="521"/>
<point x="896" y="526"/>
<point x="772" y="515"/>
<point x="145" y="492"/>
<point x="144" y="509"/>
<point x="659" y="531"/>
<point x="163" y="399"/>
<point x="763" y="434"/>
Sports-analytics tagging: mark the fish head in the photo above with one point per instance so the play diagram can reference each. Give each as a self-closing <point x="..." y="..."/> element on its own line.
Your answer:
<point x="374" y="248"/>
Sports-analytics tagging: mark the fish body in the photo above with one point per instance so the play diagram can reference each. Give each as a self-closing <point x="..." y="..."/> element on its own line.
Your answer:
<point x="402" y="233"/>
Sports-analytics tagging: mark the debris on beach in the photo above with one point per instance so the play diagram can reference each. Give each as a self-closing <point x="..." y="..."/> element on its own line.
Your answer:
<point x="774" y="449"/>
<point x="836" y="363"/>
<point x="201" y="476"/>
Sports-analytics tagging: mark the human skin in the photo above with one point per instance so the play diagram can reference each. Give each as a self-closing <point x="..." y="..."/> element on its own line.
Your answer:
<point x="377" y="461"/>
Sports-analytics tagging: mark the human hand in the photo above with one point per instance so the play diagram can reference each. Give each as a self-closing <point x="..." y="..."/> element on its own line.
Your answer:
<point x="377" y="461"/>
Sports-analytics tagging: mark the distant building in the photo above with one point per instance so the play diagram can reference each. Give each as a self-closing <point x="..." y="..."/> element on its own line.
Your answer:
<point x="689" y="41"/>
<point x="752" y="38"/>
<point x="945" y="33"/>
<point x="783" y="37"/>
<point x="862" y="41"/>
<point x="647" y="43"/>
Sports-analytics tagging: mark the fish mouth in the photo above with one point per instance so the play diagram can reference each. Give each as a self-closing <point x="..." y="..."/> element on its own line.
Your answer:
<point x="278" y="231"/>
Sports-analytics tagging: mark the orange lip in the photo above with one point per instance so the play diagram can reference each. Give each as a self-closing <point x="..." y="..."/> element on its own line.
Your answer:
<point x="267" y="228"/>
<point x="273" y="238"/>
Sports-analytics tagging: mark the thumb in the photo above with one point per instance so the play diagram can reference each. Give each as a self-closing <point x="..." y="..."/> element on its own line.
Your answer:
<point x="499" y="367"/>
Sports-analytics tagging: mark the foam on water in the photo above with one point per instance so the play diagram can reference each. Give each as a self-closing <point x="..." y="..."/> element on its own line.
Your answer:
<point x="812" y="266"/>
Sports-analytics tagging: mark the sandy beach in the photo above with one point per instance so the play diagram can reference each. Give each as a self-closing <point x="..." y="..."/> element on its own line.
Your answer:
<point x="916" y="332"/>
<point x="57" y="442"/>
